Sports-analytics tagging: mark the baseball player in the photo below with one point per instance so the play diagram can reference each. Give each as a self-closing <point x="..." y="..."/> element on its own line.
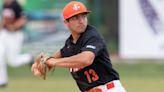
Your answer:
<point x="85" y="54"/>
<point x="11" y="39"/>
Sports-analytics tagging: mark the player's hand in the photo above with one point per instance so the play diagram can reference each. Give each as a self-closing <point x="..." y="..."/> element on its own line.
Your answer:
<point x="34" y="69"/>
<point x="40" y="66"/>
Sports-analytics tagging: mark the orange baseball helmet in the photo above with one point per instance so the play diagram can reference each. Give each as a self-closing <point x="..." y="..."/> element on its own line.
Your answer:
<point x="74" y="8"/>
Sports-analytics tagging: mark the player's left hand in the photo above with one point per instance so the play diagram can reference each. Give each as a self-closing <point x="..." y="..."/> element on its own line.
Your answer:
<point x="40" y="66"/>
<point x="35" y="71"/>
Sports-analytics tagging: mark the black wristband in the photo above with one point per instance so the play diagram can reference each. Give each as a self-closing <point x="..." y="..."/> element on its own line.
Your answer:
<point x="49" y="58"/>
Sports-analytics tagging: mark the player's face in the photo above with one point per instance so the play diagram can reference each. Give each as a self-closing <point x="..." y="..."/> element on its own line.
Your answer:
<point x="78" y="23"/>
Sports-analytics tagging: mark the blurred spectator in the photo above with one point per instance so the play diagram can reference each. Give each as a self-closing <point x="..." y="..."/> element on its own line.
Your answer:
<point x="11" y="39"/>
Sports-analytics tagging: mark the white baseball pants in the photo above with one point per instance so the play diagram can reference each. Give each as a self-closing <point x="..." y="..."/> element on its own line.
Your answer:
<point x="10" y="48"/>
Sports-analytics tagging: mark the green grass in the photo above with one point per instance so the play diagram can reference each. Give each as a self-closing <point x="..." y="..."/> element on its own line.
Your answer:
<point x="142" y="77"/>
<point x="38" y="85"/>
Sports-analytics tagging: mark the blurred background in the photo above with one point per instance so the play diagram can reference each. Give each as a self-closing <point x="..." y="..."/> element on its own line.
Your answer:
<point x="133" y="30"/>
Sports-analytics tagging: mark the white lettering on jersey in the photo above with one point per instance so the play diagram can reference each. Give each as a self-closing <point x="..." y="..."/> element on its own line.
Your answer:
<point x="91" y="46"/>
<point x="74" y="69"/>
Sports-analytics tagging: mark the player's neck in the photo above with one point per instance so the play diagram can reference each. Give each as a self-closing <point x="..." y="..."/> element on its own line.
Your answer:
<point x="75" y="37"/>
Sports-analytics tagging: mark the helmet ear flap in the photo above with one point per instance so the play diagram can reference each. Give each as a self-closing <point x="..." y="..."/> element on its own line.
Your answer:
<point x="73" y="8"/>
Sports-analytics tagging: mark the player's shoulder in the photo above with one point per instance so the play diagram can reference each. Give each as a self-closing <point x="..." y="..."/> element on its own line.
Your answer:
<point x="91" y="32"/>
<point x="91" y="29"/>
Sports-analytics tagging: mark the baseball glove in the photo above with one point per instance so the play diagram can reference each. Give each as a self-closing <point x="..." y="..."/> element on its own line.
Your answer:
<point x="41" y="64"/>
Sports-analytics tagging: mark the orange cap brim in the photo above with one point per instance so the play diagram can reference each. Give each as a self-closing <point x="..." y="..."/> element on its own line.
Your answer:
<point x="77" y="14"/>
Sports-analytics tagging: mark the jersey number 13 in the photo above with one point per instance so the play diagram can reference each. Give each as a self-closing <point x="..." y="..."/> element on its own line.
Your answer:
<point x="91" y="75"/>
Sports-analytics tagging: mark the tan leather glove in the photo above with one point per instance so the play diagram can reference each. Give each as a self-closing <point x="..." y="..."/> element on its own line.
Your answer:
<point x="40" y="67"/>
